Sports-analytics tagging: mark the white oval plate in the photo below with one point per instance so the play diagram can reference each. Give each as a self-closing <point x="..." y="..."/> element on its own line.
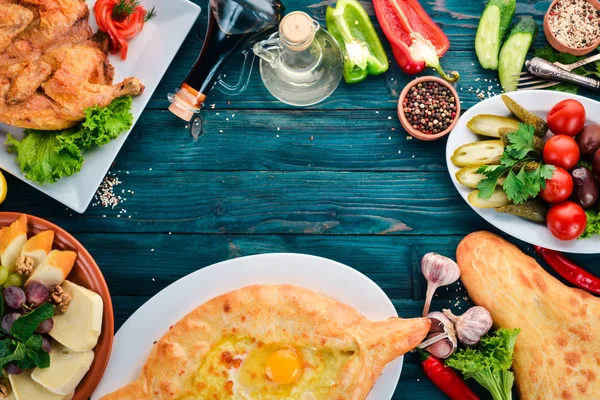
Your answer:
<point x="540" y="102"/>
<point x="150" y="322"/>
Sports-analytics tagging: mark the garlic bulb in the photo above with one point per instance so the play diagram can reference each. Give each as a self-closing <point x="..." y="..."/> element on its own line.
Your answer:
<point x="472" y="325"/>
<point x="439" y="271"/>
<point x="441" y="339"/>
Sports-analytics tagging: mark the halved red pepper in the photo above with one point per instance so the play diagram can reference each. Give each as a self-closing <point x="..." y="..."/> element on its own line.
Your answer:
<point x="416" y="40"/>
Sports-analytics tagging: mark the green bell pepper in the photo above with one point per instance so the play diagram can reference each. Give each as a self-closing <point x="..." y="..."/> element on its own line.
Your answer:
<point x="363" y="52"/>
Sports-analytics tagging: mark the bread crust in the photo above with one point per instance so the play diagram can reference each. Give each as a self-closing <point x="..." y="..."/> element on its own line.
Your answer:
<point x="276" y="314"/>
<point x="557" y="354"/>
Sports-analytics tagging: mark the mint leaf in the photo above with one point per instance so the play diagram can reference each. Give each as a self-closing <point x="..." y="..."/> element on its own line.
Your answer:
<point x="36" y="353"/>
<point x="11" y="351"/>
<point x="24" y="326"/>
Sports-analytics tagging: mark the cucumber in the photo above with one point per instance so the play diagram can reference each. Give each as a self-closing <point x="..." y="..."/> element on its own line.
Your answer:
<point x="485" y="152"/>
<point x="498" y="199"/>
<point x="514" y="51"/>
<point x="490" y="125"/>
<point x="526" y="116"/>
<point x="469" y="177"/>
<point x="492" y="29"/>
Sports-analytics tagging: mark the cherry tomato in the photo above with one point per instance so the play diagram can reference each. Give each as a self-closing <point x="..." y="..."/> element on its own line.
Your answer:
<point x="566" y="220"/>
<point x="567" y="118"/>
<point x="562" y="151"/>
<point x="559" y="188"/>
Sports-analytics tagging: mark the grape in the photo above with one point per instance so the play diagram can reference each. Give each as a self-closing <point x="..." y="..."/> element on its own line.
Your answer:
<point x="45" y="326"/>
<point x="14" y="297"/>
<point x="13" y="280"/>
<point x="36" y="293"/>
<point x="3" y="274"/>
<point x="8" y="319"/>
<point x="12" y="369"/>
<point x="46" y="345"/>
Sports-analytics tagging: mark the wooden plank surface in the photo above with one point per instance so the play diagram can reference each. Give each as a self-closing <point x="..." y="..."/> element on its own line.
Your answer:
<point x="339" y="180"/>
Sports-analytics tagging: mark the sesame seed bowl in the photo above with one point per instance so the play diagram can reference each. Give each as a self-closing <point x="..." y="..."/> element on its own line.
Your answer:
<point x="573" y="26"/>
<point x="428" y="108"/>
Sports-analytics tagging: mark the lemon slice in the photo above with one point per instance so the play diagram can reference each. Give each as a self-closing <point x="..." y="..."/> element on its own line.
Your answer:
<point x="3" y="188"/>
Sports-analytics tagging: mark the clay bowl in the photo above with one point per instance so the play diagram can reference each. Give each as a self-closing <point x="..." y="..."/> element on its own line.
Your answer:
<point x="408" y="127"/>
<point x="580" y="51"/>
<point x="87" y="274"/>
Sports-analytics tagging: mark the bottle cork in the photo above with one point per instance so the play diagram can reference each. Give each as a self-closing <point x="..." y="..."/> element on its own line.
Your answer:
<point x="298" y="30"/>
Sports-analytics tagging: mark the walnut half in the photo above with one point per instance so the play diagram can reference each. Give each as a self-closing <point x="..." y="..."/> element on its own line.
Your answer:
<point x="25" y="265"/>
<point x="60" y="299"/>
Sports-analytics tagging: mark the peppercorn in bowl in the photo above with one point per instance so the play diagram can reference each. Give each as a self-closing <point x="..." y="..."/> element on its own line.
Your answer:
<point x="55" y="303"/>
<point x="428" y="108"/>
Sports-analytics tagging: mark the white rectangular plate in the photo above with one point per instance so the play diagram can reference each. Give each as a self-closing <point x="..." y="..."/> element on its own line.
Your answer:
<point x="150" y="54"/>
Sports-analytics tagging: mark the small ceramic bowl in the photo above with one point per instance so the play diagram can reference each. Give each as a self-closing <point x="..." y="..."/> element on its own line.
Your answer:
<point x="408" y="127"/>
<point x="557" y="45"/>
<point x="87" y="274"/>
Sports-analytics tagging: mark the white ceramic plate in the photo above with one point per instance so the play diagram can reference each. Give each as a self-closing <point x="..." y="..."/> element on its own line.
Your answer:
<point x="134" y="340"/>
<point x="150" y="54"/>
<point x="540" y="102"/>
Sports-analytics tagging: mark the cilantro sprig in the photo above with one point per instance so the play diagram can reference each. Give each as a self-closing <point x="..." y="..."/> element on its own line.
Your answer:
<point x="22" y="345"/>
<point x="522" y="173"/>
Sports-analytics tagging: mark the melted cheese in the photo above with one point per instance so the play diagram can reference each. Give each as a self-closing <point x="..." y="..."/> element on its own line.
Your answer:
<point x="235" y="368"/>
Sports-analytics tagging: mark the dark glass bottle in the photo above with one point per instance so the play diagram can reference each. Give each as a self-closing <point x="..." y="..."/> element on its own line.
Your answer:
<point x="232" y="26"/>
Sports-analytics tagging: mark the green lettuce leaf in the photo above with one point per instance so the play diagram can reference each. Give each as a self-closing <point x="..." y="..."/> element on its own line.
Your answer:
<point x="42" y="158"/>
<point x="490" y="363"/>
<point x="47" y="156"/>
<point x="593" y="224"/>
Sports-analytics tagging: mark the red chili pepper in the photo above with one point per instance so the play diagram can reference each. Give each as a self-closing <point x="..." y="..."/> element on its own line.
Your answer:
<point x="569" y="270"/>
<point x="445" y="378"/>
<point x="416" y="40"/>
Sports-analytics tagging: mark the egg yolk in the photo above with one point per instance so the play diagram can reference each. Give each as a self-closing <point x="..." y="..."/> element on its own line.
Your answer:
<point x="283" y="366"/>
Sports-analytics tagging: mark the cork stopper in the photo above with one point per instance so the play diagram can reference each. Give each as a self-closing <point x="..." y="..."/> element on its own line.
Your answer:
<point x="186" y="102"/>
<point x="298" y="30"/>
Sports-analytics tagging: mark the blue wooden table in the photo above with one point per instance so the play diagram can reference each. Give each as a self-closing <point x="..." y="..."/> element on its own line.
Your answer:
<point x="340" y="180"/>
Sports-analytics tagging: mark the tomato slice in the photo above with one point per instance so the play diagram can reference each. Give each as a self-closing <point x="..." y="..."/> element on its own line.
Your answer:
<point x="119" y="32"/>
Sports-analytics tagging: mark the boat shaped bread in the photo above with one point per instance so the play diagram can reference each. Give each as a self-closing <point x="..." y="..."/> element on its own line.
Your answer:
<point x="557" y="354"/>
<point x="272" y="342"/>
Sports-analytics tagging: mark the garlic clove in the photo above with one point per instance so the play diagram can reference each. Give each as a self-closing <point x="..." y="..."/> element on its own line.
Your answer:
<point x="438" y="271"/>
<point x="441" y="339"/>
<point x="472" y="325"/>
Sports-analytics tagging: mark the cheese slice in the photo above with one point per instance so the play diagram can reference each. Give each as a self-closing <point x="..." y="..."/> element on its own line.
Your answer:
<point x="38" y="247"/>
<point x="54" y="269"/>
<point x="79" y="327"/>
<point x="11" y="396"/>
<point x="67" y="369"/>
<point x="12" y="241"/>
<point x="25" y="388"/>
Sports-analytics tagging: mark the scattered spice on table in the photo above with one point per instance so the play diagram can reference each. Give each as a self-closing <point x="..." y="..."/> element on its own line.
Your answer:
<point x="575" y="23"/>
<point x="430" y="107"/>
<point x="105" y="195"/>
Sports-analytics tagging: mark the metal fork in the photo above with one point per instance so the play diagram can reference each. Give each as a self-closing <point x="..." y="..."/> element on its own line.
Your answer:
<point x="528" y="81"/>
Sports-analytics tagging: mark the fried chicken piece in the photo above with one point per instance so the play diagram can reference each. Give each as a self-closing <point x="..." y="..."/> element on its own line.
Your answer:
<point x="52" y="67"/>
<point x="70" y="85"/>
<point x="13" y="20"/>
<point x="29" y="79"/>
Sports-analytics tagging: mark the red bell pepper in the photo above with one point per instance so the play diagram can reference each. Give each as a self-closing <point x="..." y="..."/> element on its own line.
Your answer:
<point x="416" y="40"/>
